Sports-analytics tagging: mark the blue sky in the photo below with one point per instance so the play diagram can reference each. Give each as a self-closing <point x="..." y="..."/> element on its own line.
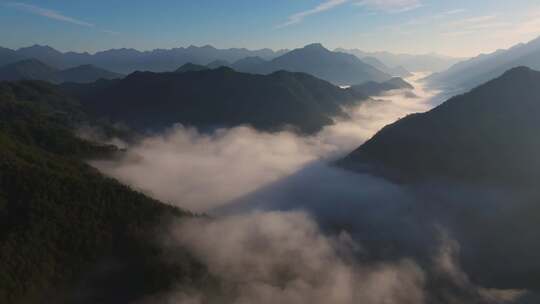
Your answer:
<point x="457" y="27"/>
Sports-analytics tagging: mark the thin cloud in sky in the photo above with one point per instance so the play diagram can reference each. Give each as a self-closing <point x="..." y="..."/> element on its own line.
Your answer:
<point x="114" y="33"/>
<point x="434" y="18"/>
<point x="47" y="13"/>
<point x="299" y="17"/>
<point x="472" y="21"/>
<point x="391" y="6"/>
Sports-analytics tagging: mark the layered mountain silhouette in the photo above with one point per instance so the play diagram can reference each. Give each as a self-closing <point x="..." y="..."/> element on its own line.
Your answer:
<point x="8" y="56"/>
<point x="250" y="65"/>
<point x="314" y="59"/>
<point x="218" y="63"/>
<point x="414" y="63"/>
<point x="338" y="68"/>
<point x="489" y="134"/>
<point x="470" y="73"/>
<point x="191" y="67"/>
<point x="217" y="98"/>
<point x="397" y="71"/>
<point x="373" y="88"/>
<point x="126" y="61"/>
<point x="32" y="69"/>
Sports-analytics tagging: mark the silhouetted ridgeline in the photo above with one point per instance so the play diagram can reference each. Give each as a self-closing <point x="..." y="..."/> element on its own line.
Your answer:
<point x="217" y="98"/>
<point x="338" y="68"/>
<point x="489" y="134"/>
<point x="415" y="63"/>
<point x="32" y="69"/>
<point x="397" y="71"/>
<point x="314" y="59"/>
<point x="67" y="233"/>
<point x="373" y="88"/>
<point x="475" y="71"/>
<point x="126" y="61"/>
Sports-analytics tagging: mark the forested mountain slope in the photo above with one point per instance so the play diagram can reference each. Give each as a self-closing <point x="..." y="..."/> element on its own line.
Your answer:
<point x="67" y="233"/>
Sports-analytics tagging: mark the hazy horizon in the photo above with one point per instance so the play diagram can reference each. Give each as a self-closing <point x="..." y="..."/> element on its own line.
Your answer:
<point x="285" y="151"/>
<point x="457" y="29"/>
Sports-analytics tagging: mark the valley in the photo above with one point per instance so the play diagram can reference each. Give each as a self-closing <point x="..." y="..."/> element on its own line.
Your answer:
<point x="239" y="152"/>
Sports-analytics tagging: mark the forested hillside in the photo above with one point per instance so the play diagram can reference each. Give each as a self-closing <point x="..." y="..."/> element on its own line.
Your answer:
<point x="60" y="218"/>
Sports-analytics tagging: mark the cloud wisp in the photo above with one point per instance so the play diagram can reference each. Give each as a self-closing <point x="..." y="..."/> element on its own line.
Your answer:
<point x="388" y="6"/>
<point x="391" y="6"/>
<point x="55" y="15"/>
<point x="48" y="13"/>
<point x="299" y="17"/>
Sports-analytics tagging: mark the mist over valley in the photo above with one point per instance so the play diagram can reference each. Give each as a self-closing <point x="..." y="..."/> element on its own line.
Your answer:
<point x="326" y="151"/>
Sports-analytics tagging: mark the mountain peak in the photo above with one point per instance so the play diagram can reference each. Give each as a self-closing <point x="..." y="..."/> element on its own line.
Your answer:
<point x="191" y="67"/>
<point x="519" y="70"/>
<point x="40" y="48"/>
<point x="30" y="62"/>
<point x="315" y="46"/>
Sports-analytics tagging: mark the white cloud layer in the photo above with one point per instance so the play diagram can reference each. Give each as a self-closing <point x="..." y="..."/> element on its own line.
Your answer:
<point x="202" y="171"/>
<point x="283" y="257"/>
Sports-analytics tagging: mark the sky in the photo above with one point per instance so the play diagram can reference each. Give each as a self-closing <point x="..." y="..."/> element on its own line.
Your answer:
<point x="459" y="28"/>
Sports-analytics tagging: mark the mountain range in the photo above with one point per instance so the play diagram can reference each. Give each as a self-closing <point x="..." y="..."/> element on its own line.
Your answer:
<point x="487" y="135"/>
<point x="414" y="63"/>
<point x="397" y="71"/>
<point x="475" y="71"/>
<point x="125" y="61"/>
<point x="206" y="98"/>
<point x="315" y="59"/>
<point x="32" y="69"/>
<point x="338" y="68"/>
<point x="373" y="88"/>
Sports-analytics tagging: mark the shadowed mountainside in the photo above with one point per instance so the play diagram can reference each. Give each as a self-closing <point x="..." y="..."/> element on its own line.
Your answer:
<point x="314" y="59"/>
<point x="217" y="98"/>
<point x="376" y="88"/>
<point x="488" y="134"/>
<point x="32" y="69"/>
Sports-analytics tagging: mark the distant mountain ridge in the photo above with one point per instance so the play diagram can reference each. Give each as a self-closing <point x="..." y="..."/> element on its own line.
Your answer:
<point x="397" y="71"/>
<point x="219" y="97"/>
<point x="470" y="73"/>
<point x="373" y="88"/>
<point x="191" y="67"/>
<point x="315" y="59"/>
<point x="489" y="134"/>
<point x="32" y="69"/>
<point x="412" y="63"/>
<point x="338" y="68"/>
<point x="126" y="61"/>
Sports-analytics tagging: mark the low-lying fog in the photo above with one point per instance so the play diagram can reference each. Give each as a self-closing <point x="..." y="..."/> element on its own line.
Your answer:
<point x="289" y="227"/>
<point x="202" y="171"/>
